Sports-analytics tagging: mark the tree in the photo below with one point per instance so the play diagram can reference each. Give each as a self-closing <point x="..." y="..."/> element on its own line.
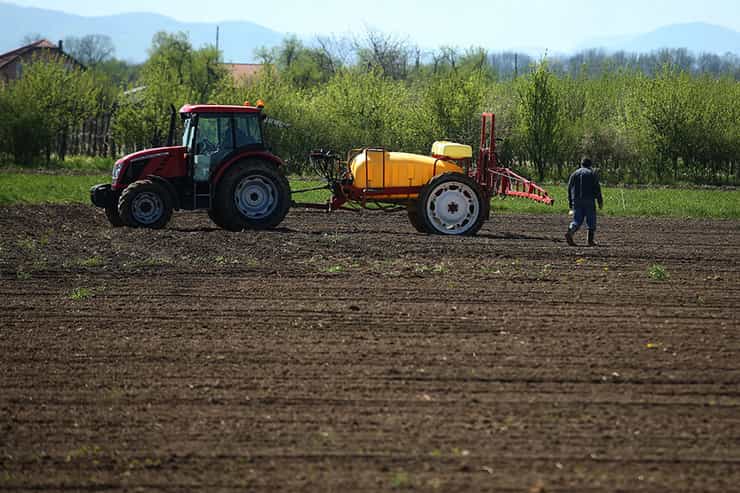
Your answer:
<point x="173" y="58"/>
<point x="509" y="65"/>
<point x="384" y="52"/>
<point x="447" y="58"/>
<point x="175" y="74"/>
<point x="539" y="120"/>
<point x="120" y="73"/>
<point x="300" y="65"/>
<point x="336" y="49"/>
<point x="170" y="52"/>
<point x="44" y="105"/>
<point x="454" y="101"/>
<point x="476" y="60"/>
<point x="90" y="50"/>
<point x="663" y="103"/>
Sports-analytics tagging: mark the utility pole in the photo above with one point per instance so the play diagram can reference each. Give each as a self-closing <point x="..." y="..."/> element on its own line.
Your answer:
<point x="217" y="33"/>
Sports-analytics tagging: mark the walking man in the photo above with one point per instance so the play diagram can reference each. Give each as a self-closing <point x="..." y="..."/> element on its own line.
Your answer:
<point x="583" y="191"/>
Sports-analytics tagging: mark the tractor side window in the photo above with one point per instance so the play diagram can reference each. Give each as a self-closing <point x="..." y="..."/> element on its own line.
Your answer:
<point x="208" y="137"/>
<point x="214" y="141"/>
<point x="248" y="130"/>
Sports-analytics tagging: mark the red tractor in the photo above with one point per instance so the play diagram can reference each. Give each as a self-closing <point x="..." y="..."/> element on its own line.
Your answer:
<point x="222" y="166"/>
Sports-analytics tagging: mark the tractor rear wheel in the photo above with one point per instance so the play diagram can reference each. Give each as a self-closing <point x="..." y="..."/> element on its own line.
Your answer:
<point x="145" y="204"/>
<point x="453" y="204"/>
<point x="215" y="216"/>
<point x="252" y="195"/>
<point x="415" y="218"/>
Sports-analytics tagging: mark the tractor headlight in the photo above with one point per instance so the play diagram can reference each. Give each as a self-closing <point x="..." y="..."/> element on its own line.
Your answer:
<point x="116" y="171"/>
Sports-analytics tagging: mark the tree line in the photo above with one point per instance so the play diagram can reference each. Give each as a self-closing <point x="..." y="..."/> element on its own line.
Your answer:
<point x="666" y="117"/>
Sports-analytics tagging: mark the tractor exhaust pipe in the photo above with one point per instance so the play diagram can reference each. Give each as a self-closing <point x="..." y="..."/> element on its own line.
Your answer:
<point x="171" y="134"/>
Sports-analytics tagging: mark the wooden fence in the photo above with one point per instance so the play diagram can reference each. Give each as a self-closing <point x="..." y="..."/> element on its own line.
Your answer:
<point x="93" y="138"/>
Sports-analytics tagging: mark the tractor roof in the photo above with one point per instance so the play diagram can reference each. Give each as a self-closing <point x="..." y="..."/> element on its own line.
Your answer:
<point x="218" y="108"/>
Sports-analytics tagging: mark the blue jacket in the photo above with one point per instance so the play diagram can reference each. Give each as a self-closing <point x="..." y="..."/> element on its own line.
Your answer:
<point x="584" y="188"/>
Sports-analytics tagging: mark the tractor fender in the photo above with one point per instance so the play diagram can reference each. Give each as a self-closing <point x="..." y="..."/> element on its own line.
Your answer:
<point x="170" y="188"/>
<point x="260" y="155"/>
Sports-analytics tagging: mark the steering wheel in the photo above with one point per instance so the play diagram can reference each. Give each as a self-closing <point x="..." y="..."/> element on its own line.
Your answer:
<point x="207" y="147"/>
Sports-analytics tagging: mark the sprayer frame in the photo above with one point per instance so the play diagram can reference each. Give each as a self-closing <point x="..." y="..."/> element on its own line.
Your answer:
<point x="487" y="174"/>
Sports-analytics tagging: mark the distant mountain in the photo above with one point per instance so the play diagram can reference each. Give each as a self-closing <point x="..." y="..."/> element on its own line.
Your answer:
<point x="697" y="37"/>
<point x="132" y="33"/>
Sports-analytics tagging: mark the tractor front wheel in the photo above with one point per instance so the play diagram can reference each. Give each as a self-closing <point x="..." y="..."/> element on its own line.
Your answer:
<point x="145" y="204"/>
<point x="114" y="218"/>
<point x="453" y="204"/>
<point x="252" y="195"/>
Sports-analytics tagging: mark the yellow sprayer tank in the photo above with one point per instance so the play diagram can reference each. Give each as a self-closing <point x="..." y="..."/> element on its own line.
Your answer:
<point x="377" y="169"/>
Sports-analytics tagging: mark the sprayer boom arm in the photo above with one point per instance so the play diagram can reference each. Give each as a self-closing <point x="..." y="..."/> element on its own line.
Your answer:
<point x="502" y="181"/>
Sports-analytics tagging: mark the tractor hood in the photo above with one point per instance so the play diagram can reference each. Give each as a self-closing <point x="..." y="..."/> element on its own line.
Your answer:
<point x="129" y="167"/>
<point x="152" y="153"/>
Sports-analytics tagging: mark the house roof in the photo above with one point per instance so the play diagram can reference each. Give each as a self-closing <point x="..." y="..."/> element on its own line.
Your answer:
<point x="243" y="70"/>
<point x="8" y="57"/>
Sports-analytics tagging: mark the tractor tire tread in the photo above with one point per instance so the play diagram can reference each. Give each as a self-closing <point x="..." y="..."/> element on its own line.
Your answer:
<point x="224" y="203"/>
<point x="114" y="218"/>
<point x="130" y="192"/>
<point x="414" y="212"/>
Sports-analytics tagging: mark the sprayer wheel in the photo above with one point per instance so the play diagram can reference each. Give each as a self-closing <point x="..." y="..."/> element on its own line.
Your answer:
<point x="453" y="204"/>
<point x="415" y="218"/>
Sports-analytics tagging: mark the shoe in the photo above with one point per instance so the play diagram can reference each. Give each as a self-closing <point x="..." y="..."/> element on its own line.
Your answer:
<point x="591" y="241"/>
<point x="569" y="238"/>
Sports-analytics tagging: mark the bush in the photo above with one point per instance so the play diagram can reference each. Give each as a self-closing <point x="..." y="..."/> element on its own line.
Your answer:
<point x="41" y="107"/>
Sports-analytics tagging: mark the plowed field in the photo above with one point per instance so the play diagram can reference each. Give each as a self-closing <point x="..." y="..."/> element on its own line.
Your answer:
<point x="347" y="352"/>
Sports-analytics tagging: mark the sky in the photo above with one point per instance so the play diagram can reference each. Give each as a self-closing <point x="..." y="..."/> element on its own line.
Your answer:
<point x="558" y="25"/>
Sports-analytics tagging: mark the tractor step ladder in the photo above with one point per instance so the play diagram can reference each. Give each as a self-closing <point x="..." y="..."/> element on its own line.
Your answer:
<point x="199" y="194"/>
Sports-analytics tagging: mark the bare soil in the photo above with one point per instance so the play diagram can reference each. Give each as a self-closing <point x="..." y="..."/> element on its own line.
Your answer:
<point x="347" y="352"/>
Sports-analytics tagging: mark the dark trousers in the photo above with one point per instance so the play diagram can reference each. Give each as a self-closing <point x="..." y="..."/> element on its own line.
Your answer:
<point x="580" y="214"/>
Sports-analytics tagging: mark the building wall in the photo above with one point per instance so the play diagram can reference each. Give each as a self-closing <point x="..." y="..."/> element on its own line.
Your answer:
<point x="12" y="71"/>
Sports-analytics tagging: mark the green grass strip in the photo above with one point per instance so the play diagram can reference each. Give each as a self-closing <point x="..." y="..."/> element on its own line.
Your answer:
<point x="626" y="202"/>
<point x="644" y="202"/>
<point x="32" y="188"/>
<point x="21" y="188"/>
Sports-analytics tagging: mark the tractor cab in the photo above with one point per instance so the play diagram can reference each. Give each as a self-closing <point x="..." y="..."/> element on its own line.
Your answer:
<point x="213" y="135"/>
